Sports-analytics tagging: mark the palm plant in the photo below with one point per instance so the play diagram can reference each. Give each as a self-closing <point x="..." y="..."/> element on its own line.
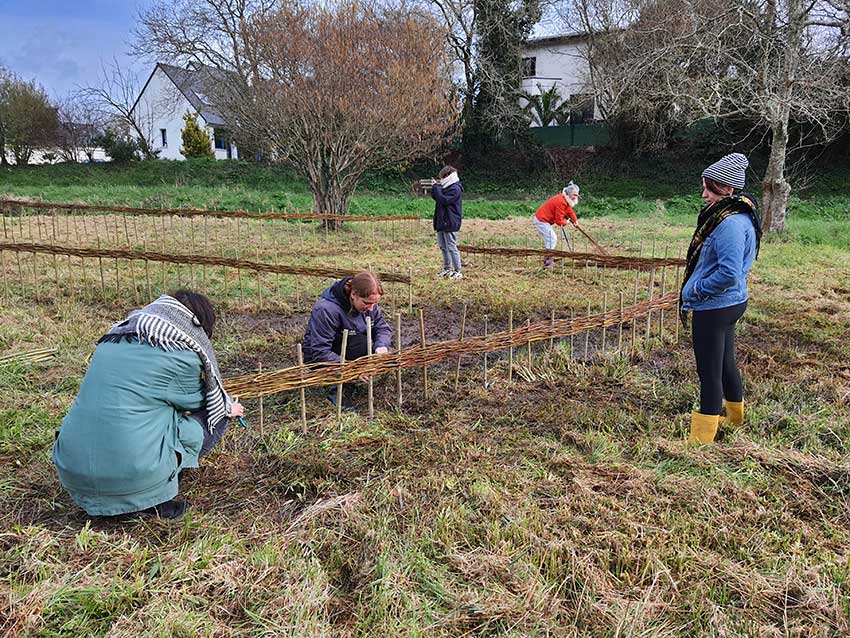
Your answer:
<point x="546" y="107"/>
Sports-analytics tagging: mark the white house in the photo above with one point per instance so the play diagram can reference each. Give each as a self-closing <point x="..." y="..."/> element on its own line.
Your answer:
<point x="171" y="91"/>
<point x="560" y="61"/>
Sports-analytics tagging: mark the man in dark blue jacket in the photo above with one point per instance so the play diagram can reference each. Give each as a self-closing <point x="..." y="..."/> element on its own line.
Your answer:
<point x="345" y="306"/>
<point x="448" y="215"/>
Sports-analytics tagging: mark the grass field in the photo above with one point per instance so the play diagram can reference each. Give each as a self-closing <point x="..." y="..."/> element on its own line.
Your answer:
<point x="561" y="503"/>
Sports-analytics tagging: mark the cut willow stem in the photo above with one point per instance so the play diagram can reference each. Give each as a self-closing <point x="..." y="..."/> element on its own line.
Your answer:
<point x="511" y="349"/>
<point x="299" y="353"/>
<point x="462" y="330"/>
<point x="398" y="349"/>
<point x="370" y="386"/>
<point x="422" y="342"/>
<point x="339" y="385"/>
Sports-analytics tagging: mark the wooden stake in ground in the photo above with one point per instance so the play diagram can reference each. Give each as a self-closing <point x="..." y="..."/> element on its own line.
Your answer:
<point x="649" y="313"/>
<point x="661" y="312"/>
<point x="147" y="271"/>
<point x="552" y="324"/>
<point x="262" y="431"/>
<point x="422" y="341"/>
<point x="299" y="353"/>
<point x="634" y="302"/>
<point x="604" y="311"/>
<point x="678" y="305"/>
<point x="5" y="277"/>
<point x="339" y="385"/>
<point x="511" y="349"/>
<point x="528" y="329"/>
<point x="398" y="349"/>
<point x="370" y="386"/>
<point x="462" y="330"/>
<point x="587" y="335"/>
<point x="410" y="290"/>
<point x="259" y="281"/>
<point x="485" y="353"/>
<point x="238" y="270"/>
<point x="620" y="323"/>
<point x="572" y="335"/>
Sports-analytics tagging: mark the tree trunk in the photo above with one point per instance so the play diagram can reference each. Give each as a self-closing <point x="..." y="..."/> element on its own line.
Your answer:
<point x="775" y="186"/>
<point x="330" y="197"/>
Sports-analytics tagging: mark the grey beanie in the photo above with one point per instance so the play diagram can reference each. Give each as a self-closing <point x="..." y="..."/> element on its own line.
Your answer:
<point x="729" y="170"/>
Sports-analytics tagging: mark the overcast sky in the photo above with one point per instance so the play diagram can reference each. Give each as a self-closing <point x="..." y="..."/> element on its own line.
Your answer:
<point x="60" y="43"/>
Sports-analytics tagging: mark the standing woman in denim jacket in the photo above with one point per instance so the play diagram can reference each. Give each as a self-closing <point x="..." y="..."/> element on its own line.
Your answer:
<point x="723" y="248"/>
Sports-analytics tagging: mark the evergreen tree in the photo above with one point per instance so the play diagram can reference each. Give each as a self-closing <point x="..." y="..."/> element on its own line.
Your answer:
<point x="196" y="143"/>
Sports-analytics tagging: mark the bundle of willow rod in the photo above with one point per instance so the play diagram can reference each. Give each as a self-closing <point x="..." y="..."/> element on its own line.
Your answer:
<point x="322" y="374"/>
<point x="208" y="260"/>
<point x="609" y="261"/>
<point x="34" y="356"/>
<point x="11" y="204"/>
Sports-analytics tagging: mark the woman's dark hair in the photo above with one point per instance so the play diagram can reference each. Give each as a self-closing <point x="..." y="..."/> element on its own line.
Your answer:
<point x="365" y="284"/>
<point x="447" y="170"/>
<point x="200" y="306"/>
<point x="716" y="187"/>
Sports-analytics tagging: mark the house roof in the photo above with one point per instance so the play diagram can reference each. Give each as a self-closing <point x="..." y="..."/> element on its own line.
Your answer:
<point x="555" y="39"/>
<point x="195" y="84"/>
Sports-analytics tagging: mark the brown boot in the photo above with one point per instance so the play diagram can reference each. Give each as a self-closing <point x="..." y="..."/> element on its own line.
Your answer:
<point x="548" y="262"/>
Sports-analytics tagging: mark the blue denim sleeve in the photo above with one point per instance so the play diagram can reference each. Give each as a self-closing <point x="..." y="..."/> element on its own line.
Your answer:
<point x="729" y="248"/>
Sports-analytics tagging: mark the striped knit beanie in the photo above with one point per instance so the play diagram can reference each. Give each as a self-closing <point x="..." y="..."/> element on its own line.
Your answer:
<point x="729" y="170"/>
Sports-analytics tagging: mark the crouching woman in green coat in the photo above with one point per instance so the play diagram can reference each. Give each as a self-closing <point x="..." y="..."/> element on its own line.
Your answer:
<point x="151" y="404"/>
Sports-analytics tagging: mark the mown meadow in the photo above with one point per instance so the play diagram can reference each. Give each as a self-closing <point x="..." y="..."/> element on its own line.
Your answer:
<point x="560" y="502"/>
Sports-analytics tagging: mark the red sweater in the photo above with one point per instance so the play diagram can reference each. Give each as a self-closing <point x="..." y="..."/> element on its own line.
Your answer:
<point x="555" y="210"/>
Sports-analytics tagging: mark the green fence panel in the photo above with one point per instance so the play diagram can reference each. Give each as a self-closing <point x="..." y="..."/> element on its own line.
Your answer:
<point x="578" y="135"/>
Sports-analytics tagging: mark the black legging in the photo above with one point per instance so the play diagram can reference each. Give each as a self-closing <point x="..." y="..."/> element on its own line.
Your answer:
<point x="714" y="348"/>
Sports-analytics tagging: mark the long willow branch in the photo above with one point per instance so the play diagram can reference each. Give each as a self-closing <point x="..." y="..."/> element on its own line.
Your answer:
<point x="12" y="204"/>
<point x="207" y="260"/>
<point x="322" y="374"/>
<point x="610" y="261"/>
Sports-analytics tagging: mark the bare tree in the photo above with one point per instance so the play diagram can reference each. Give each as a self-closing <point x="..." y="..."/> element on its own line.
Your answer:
<point x="770" y="62"/>
<point x="341" y="89"/>
<point x="208" y="32"/>
<point x="116" y="98"/>
<point x="81" y="122"/>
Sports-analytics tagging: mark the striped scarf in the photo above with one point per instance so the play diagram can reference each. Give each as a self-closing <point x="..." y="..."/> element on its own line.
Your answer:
<point x="169" y="325"/>
<point x="710" y="218"/>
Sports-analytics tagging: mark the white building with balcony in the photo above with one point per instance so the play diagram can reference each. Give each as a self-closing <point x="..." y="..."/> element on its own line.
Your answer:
<point x="560" y="61"/>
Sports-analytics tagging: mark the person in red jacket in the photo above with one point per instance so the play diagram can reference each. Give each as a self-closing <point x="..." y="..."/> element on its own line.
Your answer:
<point x="554" y="212"/>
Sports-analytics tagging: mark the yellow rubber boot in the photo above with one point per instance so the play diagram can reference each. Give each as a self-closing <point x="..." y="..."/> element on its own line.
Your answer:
<point x="735" y="412"/>
<point x="703" y="428"/>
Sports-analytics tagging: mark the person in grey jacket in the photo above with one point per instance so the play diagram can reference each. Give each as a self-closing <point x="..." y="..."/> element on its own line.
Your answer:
<point x="721" y="253"/>
<point x="345" y="306"/>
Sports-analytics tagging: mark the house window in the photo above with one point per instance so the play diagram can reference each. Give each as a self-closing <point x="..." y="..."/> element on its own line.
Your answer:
<point x="220" y="138"/>
<point x="581" y="109"/>
<point x="164" y="135"/>
<point x="529" y="67"/>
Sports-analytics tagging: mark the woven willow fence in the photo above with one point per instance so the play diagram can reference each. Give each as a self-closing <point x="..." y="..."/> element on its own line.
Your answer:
<point x="324" y="374"/>
<point x="608" y="261"/>
<point x="13" y="206"/>
<point x="107" y="258"/>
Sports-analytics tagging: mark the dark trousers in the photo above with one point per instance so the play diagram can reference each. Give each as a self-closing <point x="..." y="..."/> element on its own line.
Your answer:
<point x="354" y="349"/>
<point x="714" y="348"/>
<point x="211" y="439"/>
